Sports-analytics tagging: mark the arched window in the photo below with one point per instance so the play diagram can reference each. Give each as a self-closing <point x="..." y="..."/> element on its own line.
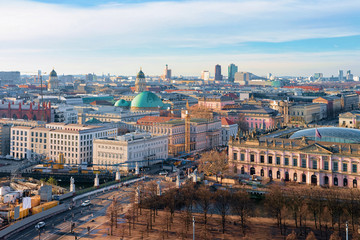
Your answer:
<point x="345" y="182"/>
<point x="326" y="180"/>
<point x="278" y="174"/>
<point x="262" y="172"/>
<point x="295" y="177"/>
<point x="242" y="170"/>
<point x="252" y="171"/>
<point x="313" y="179"/>
<point x="270" y="174"/>
<point x="336" y="181"/>
<point x="14" y="116"/>
<point x="303" y="178"/>
<point x="287" y="176"/>
<point x="354" y="183"/>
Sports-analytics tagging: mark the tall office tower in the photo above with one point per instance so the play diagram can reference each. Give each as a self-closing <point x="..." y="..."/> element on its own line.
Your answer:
<point x="341" y="75"/>
<point x="232" y="69"/>
<point x="167" y="73"/>
<point x="349" y="76"/>
<point x="218" y="76"/>
<point x="269" y="75"/>
<point x="205" y="75"/>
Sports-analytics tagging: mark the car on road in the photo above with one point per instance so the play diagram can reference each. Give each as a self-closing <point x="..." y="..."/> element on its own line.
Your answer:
<point x="163" y="173"/>
<point x="40" y="225"/>
<point x="86" y="203"/>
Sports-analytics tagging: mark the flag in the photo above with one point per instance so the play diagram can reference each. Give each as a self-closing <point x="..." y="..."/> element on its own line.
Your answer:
<point x="317" y="133"/>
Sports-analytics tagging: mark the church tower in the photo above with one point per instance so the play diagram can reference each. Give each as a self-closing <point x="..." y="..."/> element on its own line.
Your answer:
<point x="53" y="83"/>
<point x="140" y="82"/>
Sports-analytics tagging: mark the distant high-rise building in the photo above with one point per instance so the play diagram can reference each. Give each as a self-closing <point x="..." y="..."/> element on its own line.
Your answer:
<point x="9" y="78"/>
<point x="232" y="69"/>
<point x="205" y="75"/>
<point x="167" y="73"/>
<point x="91" y="77"/>
<point x="242" y="78"/>
<point x="218" y="76"/>
<point x="341" y="75"/>
<point x="318" y="76"/>
<point x="269" y="76"/>
<point x="349" y="76"/>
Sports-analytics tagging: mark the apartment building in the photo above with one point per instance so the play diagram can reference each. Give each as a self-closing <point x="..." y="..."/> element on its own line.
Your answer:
<point x="73" y="140"/>
<point x="125" y="151"/>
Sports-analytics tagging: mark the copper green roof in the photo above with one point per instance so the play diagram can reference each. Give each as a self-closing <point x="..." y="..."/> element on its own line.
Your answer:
<point x="146" y="99"/>
<point x="122" y="103"/>
<point x="93" y="121"/>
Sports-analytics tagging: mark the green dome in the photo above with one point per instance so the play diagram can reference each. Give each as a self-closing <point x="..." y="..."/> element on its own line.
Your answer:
<point x="53" y="73"/>
<point x="146" y="99"/>
<point x="122" y="103"/>
<point x="140" y="74"/>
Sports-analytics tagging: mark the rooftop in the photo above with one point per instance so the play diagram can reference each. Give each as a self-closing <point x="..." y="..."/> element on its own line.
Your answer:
<point x="330" y="134"/>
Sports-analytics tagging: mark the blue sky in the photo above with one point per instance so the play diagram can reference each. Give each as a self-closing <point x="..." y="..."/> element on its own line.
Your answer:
<point x="284" y="37"/>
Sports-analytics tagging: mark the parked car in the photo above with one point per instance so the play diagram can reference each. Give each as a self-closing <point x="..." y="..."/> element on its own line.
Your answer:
<point x="164" y="173"/>
<point x="40" y="225"/>
<point x="86" y="203"/>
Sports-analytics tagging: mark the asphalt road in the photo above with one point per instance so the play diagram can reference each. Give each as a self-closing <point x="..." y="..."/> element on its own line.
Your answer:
<point x="59" y="226"/>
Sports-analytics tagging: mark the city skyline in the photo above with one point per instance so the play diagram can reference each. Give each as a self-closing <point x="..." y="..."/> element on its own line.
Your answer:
<point x="296" y="38"/>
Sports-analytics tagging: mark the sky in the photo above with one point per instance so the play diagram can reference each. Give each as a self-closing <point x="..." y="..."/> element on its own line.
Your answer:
<point x="282" y="37"/>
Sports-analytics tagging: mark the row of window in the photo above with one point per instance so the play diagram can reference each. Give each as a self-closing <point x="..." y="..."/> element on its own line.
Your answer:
<point x="335" y="166"/>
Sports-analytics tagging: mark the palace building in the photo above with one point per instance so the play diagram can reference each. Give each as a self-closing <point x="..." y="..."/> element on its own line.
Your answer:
<point x="331" y="159"/>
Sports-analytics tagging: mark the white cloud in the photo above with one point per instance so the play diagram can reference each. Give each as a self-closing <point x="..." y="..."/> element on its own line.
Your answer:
<point x="32" y="30"/>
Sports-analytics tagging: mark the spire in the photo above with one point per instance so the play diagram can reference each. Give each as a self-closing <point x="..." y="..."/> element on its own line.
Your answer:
<point x="187" y="105"/>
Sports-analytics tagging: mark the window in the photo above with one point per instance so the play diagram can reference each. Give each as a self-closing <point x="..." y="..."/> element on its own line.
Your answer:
<point x="252" y="158"/>
<point x="278" y="160"/>
<point x="314" y="164"/>
<point x="344" y="167"/>
<point x="326" y="165"/>
<point x="235" y="156"/>
<point x="354" y="168"/>
<point x="262" y="159"/>
<point x="286" y="161"/>
<point x="303" y="163"/>
<point x="295" y="163"/>
<point x="242" y="157"/>
<point x="335" y="166"/>
<point x="270" y="159"/>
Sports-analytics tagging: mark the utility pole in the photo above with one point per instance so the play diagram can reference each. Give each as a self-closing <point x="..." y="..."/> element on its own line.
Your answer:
<point x="193" y="228"/>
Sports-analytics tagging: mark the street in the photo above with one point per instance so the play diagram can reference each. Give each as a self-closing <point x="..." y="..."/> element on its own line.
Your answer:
<point x="58" y="226"/>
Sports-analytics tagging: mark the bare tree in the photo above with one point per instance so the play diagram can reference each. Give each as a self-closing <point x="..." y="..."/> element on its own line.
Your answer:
<point x="311" y="236"/>
<point x="241" y="205"/>
<point x="222" y="204"/>
<point x="275" y="202"/>
<point x="213" y="163"/>
<point x="204" y="198"/>
<point x="241" y="122"/>
<point x="352" y="205"/>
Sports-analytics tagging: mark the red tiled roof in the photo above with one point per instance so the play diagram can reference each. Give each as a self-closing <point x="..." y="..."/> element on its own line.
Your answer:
<point x="226" y="121"/>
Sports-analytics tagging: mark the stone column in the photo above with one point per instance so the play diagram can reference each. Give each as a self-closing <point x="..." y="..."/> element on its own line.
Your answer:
<point x="117" y="176"/>
<point x="137" y="168"/>
<point x="96" y="181"/>
<point x="72" y="184"/>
